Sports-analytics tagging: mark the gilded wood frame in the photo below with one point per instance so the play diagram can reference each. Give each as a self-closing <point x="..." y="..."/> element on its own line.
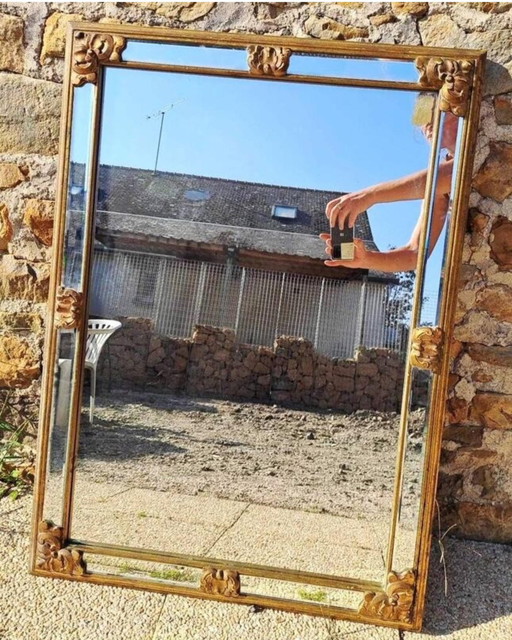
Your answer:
<point x="456" y="74"/>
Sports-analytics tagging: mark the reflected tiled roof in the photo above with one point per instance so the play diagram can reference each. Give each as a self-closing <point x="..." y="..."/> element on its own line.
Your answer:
<point x="216" y="201"/>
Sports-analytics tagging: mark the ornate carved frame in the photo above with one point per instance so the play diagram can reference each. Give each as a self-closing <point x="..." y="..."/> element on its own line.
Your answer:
<point x="456" y="75"/>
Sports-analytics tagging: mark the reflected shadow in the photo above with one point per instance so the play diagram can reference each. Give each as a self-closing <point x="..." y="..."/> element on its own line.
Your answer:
<point x="108" y="440"/>
<point x="120" y="398"/>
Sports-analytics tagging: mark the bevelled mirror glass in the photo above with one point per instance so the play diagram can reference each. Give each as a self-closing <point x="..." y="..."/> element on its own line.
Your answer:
<point x="257" y="246"/>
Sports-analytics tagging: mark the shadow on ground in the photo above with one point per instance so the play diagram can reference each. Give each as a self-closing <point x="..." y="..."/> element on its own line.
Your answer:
<point x="479" y="587"/>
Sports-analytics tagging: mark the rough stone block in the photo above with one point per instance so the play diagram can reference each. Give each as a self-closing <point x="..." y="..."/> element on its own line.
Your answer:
<point x="501" y="243"/>
<point x="307" y="366"/>
<point x="370" y="370"/>
<point x="21" y="321"/>
<point x="501" y="356"/>
<point x="492" y="410"/>
<point x="486" y="478"/>
<point x="12" y="175"/>
<point x="490" y="7"/>
<point x="24" y="281"/>
<point x="457" y="410"/>
<point x="462" y="434"/>
<point x="450" y="486"/>
<point x="54" y="38"/>
<point x="327" y="29"/>
<point x="31" y="124"/>
<point x="19" y="361"/>
<point x="415" y="9"/>
<point x="383" y="18"/>
<point x="222" y="355"/>
<point x="479" y="521"/>
<point x="25" y="246"/>
<point x="195" y="10"/>
<point x="6" y="229"/>
<point x="503" y="109"/>
<point x="494" y="180"/>
<point x="11" y="43"/>
<point x="261" y="368"/>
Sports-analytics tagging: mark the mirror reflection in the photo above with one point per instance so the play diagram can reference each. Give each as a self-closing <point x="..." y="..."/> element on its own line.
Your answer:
<point x="243" y="391"/>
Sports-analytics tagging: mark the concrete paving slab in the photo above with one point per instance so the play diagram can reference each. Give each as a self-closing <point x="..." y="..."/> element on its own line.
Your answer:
<point x="405" y="540"/>
<point x="201" y="510"/>
<point x="150" y="519"/>
<point x="44" y="609"/>
<point x="302" y="541"/>
<point x="478" y="606"/>
<point x="88" y="494"/>
<point x="164" y="533"/>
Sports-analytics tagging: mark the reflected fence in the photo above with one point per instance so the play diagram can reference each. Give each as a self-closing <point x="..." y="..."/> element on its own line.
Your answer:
<point x="336" y="316"/>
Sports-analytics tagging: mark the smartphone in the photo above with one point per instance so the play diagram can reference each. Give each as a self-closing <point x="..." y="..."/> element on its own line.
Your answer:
<point x="342" y="241"/>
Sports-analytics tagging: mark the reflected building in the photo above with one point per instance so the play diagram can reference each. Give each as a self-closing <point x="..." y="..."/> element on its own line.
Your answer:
<point x="184" y="250"/>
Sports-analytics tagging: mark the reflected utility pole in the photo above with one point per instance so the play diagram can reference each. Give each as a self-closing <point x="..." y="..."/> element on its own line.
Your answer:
<point x="161" y="113"/>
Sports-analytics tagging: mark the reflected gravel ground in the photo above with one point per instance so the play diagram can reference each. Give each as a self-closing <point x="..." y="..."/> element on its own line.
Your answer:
<point x="320" y="461"/>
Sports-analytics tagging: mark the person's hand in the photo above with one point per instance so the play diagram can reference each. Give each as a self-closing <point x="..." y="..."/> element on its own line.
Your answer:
<point x="361" y="254"/>
<point x="345" y="209"/>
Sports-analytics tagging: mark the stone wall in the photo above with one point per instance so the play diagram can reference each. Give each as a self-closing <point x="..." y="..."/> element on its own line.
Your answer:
<point x="476" y="487"/>
<point x="212" y="362"/>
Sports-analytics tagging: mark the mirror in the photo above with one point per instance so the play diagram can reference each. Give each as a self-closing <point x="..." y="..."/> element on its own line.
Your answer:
<point x="246" y="411"/>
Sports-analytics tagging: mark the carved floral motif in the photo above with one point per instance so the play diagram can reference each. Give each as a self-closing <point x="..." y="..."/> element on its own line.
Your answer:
<point x="426" y="348"/>
<point x="223" y="582"/>
<point x="69" y="308"/>
<point x="268" y="61"/>
<point x="89" y="50"/>
<point x="452" y="77"/>
<point x="395" y="603"/>
<point x="51" y="554"/>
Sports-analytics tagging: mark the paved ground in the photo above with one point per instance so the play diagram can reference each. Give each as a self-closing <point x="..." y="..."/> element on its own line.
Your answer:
<point x="478" y="606"/>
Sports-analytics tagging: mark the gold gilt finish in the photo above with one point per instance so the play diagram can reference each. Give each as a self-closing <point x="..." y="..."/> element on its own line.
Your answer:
<point x="221" y="582"/>
<point x="395" y="604"/>
<point x="454" y="79"/>
<point x="456" y="75"/>
<point x="69" y="308"/>
<point x="268" y="61"/>
<point x="89" y="51"/>
<point x="52" y="556"/>
<point x="426" y="348"/>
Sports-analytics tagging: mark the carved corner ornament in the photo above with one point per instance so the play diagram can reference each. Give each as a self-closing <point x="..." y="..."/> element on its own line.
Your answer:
<point x="69" y="307"/>
<point x="52" y="556"/>
<point x="426" y="348"/>
<point x="91" y="49"/>
<point x="454" y="79"/>
<point x="268" y="61"/>
<point x="221" y="582"/>
<point x="395" y="603"/>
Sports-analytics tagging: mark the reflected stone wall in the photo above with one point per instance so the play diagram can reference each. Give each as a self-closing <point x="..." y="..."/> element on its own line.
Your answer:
<point x="476" y="485"/>
<point x="211" y="362"/>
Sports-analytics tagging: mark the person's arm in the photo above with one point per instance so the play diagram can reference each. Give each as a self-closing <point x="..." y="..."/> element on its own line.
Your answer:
<point x="411" y="187"/>
<point x="402" y="259"/>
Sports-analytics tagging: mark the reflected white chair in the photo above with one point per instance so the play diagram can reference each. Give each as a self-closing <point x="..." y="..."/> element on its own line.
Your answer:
<point x="98" y="333"/>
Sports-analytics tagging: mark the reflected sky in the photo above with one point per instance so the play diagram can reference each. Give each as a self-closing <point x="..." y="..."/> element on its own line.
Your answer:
<point x="310" y="136"/>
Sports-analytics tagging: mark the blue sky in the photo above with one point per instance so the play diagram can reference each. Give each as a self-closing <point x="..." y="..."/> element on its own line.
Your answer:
<point x="311" y="136"/>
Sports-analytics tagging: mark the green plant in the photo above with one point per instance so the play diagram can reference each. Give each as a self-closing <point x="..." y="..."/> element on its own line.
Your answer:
<point x="126" y="567"/>
<point x="178" y="575"/>
<point x="315" y="596"/>
<point x="16" y="457"/>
